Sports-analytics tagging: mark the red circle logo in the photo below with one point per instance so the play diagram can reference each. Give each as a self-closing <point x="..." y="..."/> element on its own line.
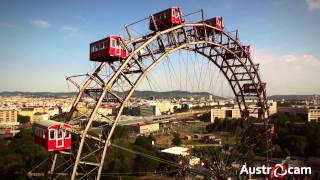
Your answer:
<point x="276" y="169"/>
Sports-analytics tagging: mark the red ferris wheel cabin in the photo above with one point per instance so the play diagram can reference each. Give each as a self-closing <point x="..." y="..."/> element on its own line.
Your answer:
<point x="250" y="88"/>
<point x="165" y="19"/>
<point x="216" y="22"/>
<point x="107" y="49"/>
<point x="52" y="135"/>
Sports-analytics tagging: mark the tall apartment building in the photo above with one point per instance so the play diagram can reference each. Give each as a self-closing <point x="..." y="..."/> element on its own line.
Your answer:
<point x="314" y="114"/>
<point x="225" y="112"/>
<point x="273" y="107"/>
<point x="8" y="115"/>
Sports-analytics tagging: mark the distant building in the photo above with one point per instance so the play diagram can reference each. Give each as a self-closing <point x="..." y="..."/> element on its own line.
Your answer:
<point x="165" y="106"/>
<point x="147" y="110"/>
<point x="225" y="112"/>
<point x="145" y="128"/>
<point x="293" y="110"/>
<point x="161" y="106"/>
<point x="8" y="122"/>
<point x="41" y="109"/>
<point x="314" y="114"/>
<point x="254" y="110"/>
<point x="144" y="111"/>
<point x="188" y="105"/>
<point x="66" y="107"/>
<point x="234" y="112"/>
<point x="8" y="115"/>
<point x="128" y="120"/>
<point x="27" y="112"/>
<point x="54" y="111"/>
<point x="273" y="107"/>
<point x="40" y="116"/>
<point x="312" y="100"/>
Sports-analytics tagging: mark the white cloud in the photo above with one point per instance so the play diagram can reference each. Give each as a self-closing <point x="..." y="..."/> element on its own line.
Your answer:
<point x="313" y="4"/>
<point x="290" y="74"/>
<point x="68" y="29"/>
<point x="71" y="31"/>
<point x="40" y="23"/>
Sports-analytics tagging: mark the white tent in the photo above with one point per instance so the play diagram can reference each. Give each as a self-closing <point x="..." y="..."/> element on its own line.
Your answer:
<point x="177" y="151"/>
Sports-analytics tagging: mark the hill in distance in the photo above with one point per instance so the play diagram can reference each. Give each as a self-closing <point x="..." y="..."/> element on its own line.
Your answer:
<point x="147" y="94"/>
<point x="139" y="94"/>
<point x="289" y="97"/>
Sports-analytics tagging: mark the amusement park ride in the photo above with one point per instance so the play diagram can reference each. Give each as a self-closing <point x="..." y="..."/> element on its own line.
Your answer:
<point x="107" y="48"/>
<point x="129" y="61"/>
<point x="52" y="135"/>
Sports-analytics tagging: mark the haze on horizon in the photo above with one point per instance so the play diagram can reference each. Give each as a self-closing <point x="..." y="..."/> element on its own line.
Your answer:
<point x="43" y="41"/>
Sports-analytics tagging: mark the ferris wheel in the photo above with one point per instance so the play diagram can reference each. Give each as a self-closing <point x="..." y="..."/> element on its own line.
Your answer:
<point x="176" y="54"/>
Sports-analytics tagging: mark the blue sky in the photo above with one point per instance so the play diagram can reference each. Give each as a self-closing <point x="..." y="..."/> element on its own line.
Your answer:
<point x="41" y="42"/>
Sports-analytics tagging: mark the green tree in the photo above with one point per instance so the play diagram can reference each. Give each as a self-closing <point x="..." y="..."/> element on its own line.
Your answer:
<point x="144" y="164"/>
<point x="206" y="117"/>
<point x="143" y="145"/>
<point x="119" y="161"/>
<point x="23" y="119"/>
<point x="20" y="155"/>
<point x="144" y="142"/>
<point x="12" y="166"/>
<point x="31" y="152"/>
<point x="59" y="117"/>
<point x="176" y="139"/>
<point x="295" y="144"/>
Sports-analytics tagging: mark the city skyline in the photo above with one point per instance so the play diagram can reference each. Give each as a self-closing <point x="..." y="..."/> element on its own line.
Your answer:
<point x="43" y="42"/>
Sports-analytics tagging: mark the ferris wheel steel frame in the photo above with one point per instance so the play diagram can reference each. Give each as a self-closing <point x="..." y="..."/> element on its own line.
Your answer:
<point x="155" y="47"/>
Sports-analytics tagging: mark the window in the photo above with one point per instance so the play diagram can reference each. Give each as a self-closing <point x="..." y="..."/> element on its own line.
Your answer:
<point x="103" y="45"/>
<point x="175" y="13"/>
<point x="60" y="134"/>
<point x="67" y="135"/>
<point x="92" y="48"/>
<point x="113" y="43"/>
<point x="51" y="134"/>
